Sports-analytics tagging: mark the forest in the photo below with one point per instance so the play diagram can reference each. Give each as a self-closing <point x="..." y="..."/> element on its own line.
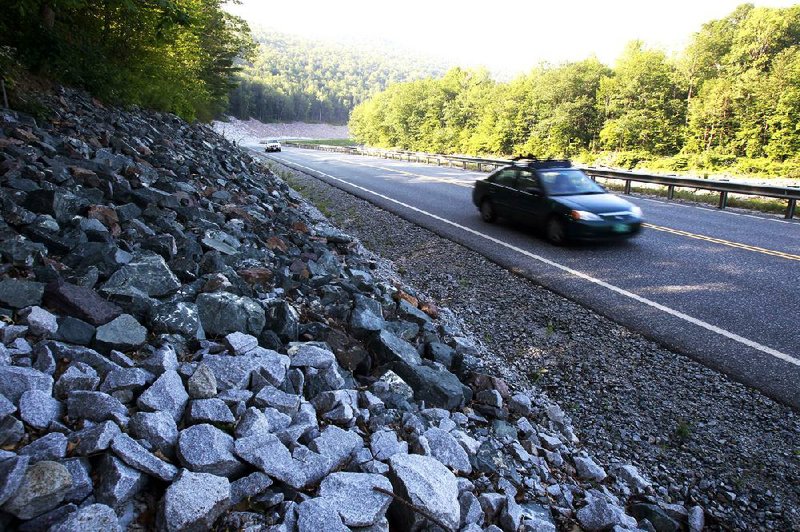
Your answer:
<point x="296" y="79"/>
<point x="730" y="101"/>
<point x="172" y="55"/>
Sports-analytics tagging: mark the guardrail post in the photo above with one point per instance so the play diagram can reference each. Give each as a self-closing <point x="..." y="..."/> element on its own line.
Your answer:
<point x="627" y="186"/>
<point x="790" y="208"/>
<point x="464" y="165"/>
<point x="723" y="200"/>
<point x="670" y="191"/>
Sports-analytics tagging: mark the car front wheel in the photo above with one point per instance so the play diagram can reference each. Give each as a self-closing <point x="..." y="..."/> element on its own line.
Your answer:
<point x="555" y="232"/>
<point x="487" y="211"/>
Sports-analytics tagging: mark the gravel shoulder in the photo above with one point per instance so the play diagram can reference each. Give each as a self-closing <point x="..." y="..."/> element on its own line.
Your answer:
<point x="702" y="438"/>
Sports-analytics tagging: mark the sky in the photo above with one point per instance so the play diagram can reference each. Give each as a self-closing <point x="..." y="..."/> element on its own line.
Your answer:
<point x="508" y="36"/>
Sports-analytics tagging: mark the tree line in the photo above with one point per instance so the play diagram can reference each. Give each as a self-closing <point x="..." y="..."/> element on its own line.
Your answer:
<point x="172" y="55"/>
<point x="730" y="100"/>
<point x="296" y="79"/>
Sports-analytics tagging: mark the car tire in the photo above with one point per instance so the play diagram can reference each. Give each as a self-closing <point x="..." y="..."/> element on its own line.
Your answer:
<point x="488" y="213"/>
<point x="555" y="232"/>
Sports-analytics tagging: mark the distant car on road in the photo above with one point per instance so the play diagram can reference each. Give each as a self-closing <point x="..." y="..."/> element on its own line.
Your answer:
<point x="557" y="198"/>
<point x="272" y="145"/>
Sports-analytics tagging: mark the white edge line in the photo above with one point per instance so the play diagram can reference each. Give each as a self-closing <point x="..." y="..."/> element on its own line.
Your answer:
<point x="621" y="291"/>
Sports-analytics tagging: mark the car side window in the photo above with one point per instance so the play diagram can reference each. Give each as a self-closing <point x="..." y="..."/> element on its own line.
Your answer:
<point x="506" y="178"/>
<point x="527" y="182"/>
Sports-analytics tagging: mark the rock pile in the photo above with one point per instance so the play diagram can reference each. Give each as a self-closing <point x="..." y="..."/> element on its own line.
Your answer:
<point x="186" y="345"/>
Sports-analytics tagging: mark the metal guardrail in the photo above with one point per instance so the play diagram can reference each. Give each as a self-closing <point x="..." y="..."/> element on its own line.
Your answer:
<point x="790" y="194"/>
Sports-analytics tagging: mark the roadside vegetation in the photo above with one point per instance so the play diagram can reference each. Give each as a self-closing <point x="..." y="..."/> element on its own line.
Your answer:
<point x="730" y="103"/>
<point x="294" y="79"/>
<point x="169" y="55"/>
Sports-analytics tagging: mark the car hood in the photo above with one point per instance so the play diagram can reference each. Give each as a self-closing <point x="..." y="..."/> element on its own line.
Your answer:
<point x="596" y="203"/>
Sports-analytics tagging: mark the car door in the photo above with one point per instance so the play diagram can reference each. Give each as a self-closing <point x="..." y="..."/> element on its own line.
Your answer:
<point x="530" y="203"/>
<point x="502" y="190"/>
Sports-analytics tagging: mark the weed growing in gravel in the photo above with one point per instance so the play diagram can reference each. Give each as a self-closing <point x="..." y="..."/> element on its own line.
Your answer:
<point x="536" y="374"/>
<point x="683" y="431"/>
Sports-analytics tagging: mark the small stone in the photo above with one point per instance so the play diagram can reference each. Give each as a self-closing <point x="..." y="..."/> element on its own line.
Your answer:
<point x="118" y="483"/>
<point x="6" y="407"/>
<point x="446" y="449"/>
<point x="600" y="514"/>
<point x="139" y="458"/>
<point x="38" y="409"/>
<point x="79" y="302"/>
<point x="156" y="428"/>
<point x="235" y="372"/>
<point x="93" y="439"/>
<point x="15" y="380"/>
<point x="250" y="486"/>
<point x="94" y="406"/>
<point x="82" y="486"/>
<point x="78" y="376"/>
<point x="92" y="518"/>
<point x="697" y="519"/>
<point x="166" y="394"/>
<point x="240" y="343"/>
<point x="74" y="331"/>
<point x="52" y="446"/>
<point x="147" y="273"/>
<point x="202" y="384"/>
<point x="206" y="449"/>
<point x="193" y="502"/>
<point x="222" y="313"/>
<point x="122" y="333"/>
<point x="209" y="411"/>
<point x="587" y="469"/>
<point x="176" y="318"/>
<point x="655" y="515"/>
<point x="41" y="323"/>
<point x="354" y="497"/>
<point x="19" y="294"/>
<point x="126" y="379"/>
<point x="471" y="511"/>
<point x="630" y="475"/>
<point x="12" y="472"/>
<point x="309" y="355"/>
<point x="384" y="444"/>
<point x="163" y="359"/>
<point x="318" y="514"/>
<point x="520" y="404"/>
<point x="269" y="396"/>
<point x="43" y="488"/>
<point x="423" y="481"/>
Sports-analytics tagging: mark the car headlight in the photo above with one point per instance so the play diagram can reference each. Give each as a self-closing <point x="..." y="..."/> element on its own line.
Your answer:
<point x="585" y="215"/>
<point x="636" y="211"/>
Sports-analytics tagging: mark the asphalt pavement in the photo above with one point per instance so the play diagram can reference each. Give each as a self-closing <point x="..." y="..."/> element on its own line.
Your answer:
<point x="719" y="286"/>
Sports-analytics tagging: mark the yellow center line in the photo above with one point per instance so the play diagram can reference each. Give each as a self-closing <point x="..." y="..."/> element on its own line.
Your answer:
<point x="720" y="241"/>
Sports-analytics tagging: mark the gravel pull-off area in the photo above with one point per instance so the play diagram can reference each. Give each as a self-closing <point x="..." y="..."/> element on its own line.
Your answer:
<point x="700" y="438"/>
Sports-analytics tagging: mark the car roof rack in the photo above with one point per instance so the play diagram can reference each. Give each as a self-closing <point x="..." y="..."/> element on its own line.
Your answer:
<point x="532" y="162"/>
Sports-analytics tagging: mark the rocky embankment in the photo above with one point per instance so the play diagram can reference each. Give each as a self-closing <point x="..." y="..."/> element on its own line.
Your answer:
<point x="186" y="345"/>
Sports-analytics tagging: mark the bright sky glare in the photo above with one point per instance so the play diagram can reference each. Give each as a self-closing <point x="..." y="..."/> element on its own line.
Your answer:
<point x="504" y="35"/>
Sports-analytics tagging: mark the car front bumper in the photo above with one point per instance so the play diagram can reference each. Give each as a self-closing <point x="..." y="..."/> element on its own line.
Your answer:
<point x="602" y="230"/>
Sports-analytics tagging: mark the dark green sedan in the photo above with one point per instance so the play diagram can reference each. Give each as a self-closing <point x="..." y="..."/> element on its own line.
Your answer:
<point x="557" y="198"/>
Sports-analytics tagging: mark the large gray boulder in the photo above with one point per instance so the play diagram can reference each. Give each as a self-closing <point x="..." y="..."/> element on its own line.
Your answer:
<point x="222" y="313"/>
<point x="206" y="449"/>
<point x="425" y="482"/>
<point x="166" y="394"/>
<point x="354" y="497"/>
<point x="43" y="488"/>
<point x="92" y="518"/>
<point x="235" y="371"/>
<point x="147" y="273"/>
<point x="16" y="380"/>
<point x="193" y="502"/>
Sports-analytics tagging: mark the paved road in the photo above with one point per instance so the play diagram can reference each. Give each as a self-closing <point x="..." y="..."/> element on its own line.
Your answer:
<point x="719" y="286"/>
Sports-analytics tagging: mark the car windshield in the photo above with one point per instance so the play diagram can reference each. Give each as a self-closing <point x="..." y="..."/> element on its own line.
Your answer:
<point x="568" y="182"/>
